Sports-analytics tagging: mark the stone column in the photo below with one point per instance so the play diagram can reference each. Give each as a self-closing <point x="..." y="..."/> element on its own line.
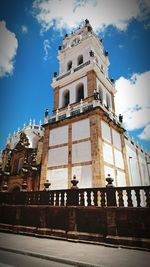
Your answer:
<point x="44" y="157"/>
<point x="98" y="179"/>
<point x="138" y="162"/>
<point x="124" y="154"/>
<point x="69" y="155"/>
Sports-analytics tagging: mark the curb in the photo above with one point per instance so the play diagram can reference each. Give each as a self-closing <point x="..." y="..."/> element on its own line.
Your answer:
<point x="50" y="258"/>
<point x="111" y="245"/>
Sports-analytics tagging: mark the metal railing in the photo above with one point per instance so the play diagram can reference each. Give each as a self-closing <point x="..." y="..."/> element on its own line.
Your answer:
<point x="137" y="196"/>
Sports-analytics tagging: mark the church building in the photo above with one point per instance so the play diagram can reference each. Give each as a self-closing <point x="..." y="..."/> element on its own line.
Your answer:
<point x="20" y="161"/>
<point x="84" y="137"/>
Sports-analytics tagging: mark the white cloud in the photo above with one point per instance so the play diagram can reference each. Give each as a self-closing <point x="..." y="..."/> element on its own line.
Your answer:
<point x="145" y="133"/>
<point x="8" y="49"/>
<point x="133" y="100"/>
<point x="24" y="29"/>
<point x="101" y="13"/>
<point x="47" y="47"/>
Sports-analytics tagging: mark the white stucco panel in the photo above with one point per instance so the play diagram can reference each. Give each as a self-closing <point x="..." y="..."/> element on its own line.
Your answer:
<point x="121" y="180"/>
<point x="107" y="153"/>
<point x="118" y="159"/>
<point x="80" y="130"/>
<point x="84" y="175"/>
<point x="143" y="168"/>
<point x="58" y="178"/>
<point x="81" y="152"/>
<point x="58" y="136"/>
<point x="106" y="131"/>
<point x="58" y="156"/>
<point x="116" y="139"/>
<point x="133" y="168"/>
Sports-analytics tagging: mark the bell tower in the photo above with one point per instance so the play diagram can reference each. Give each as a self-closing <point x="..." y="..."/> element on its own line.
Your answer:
<point x="83" y="137"/>
<point x="83" y="69"/>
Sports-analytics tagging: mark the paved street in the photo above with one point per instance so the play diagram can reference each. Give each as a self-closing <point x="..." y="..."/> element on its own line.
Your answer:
<point x="9" y="259"/>
<point x="73" y="253"/>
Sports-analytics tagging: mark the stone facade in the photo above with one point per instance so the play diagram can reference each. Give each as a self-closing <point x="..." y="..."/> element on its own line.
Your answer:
<point x="83" y="92"/>
<point x="21" y="160"/>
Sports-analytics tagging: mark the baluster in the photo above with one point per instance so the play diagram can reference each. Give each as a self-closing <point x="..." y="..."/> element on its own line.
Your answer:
<point x="57" y="199"/>
<point x="62" y="196"/>
<point x="103" y="200"/>
<point x="26" y="198"/>
<point x="120" y="196"/>
<point x="65" y="198"/>
<point x="147" y="195"/>
<point x="38" y="198"/>
<point x="29" y="199"/>
<point x="129" y="198"/>
<point x="138" y="197"/>
<point x="52" y="198"/>
<point x="95" y="197"/>
<point x="33" y="198"/>
<point x="82" y="202"/>
<point x="89" y="198"/>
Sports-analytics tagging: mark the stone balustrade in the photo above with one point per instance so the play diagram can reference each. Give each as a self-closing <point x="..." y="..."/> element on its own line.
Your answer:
<point x="137" y="196"/>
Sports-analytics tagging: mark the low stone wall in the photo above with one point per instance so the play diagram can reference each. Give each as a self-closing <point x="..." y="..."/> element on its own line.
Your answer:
<point x="121" y="226"/>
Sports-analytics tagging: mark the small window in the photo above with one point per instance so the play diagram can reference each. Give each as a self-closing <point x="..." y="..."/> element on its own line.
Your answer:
<point x="79" y="92"/>
<point x="69" y="65"/>
<point x="80" y="60"/>
<point x="66" y="98"/>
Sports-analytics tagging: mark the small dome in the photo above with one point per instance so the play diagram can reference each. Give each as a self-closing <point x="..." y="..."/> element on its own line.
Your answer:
<point x="33" y="133"/>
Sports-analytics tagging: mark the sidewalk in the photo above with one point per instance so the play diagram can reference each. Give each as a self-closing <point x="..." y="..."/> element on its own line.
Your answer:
<point x="73" y="253"/>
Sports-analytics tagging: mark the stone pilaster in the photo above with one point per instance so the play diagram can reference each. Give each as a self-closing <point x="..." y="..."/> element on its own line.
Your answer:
<point x="96" y="153"/>
<point x="69" y="155"/>
<point x="139" y="166"/>
<point x="91" y="82"/>
<point x="113" y="102"/>
<point x="124" y="154"/>
<point x="44" y="158"/>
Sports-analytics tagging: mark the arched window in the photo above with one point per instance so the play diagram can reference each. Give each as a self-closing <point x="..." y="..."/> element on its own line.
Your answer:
<point x="20" y="164"/>
<point x="107" y="100"/>
<point x="80" y="60"/>
<point x="69" y="65"/>
<point x="79" y="92"/>
<point x="100" y="94"/>
<point x="66" y="98"/>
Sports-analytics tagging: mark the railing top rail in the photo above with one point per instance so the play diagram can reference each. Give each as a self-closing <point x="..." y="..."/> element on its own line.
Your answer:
<point x="82" y="189"/>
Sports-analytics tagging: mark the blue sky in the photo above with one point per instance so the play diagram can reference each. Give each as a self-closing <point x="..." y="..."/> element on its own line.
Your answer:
<point x="30" y="32"/>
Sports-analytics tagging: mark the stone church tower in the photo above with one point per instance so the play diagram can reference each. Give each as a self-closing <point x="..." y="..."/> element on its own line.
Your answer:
<point x="84" y="137"/>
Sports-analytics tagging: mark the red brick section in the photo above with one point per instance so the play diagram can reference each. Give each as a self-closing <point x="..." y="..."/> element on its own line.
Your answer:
<point x="56" y="97"/>
<point x="91" y="82"/>
<point x="44" y="157"/>
<point x="110" y="225"/>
